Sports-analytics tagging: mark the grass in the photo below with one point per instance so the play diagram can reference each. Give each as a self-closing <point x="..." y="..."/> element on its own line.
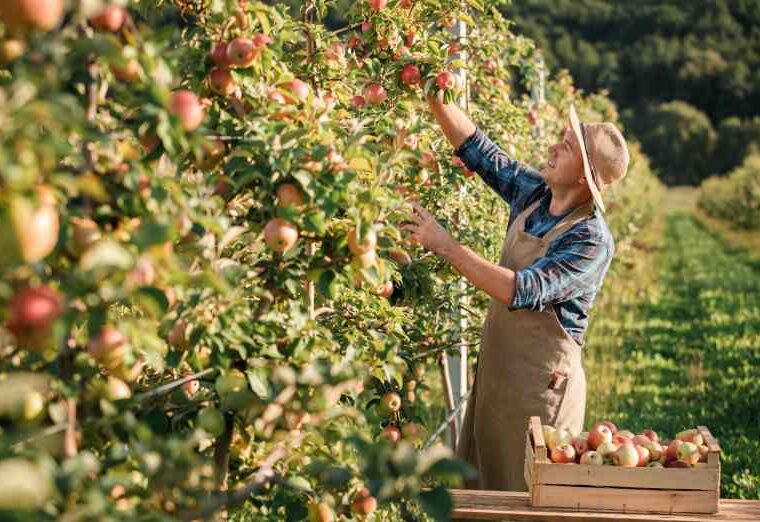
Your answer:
<point x="676" y="343"/>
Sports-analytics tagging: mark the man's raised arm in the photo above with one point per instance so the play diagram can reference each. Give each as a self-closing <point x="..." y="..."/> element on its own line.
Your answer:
<point x="456" y="125"/>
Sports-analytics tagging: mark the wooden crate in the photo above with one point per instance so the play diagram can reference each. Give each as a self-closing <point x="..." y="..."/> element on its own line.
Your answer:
<point x="625" y="490"/>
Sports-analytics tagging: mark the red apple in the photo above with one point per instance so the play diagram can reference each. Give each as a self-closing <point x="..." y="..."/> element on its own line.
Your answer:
<point x="108" y="347"/>
<point x="375" y="93"/>
<point x="376" y="5"/>
<point x="261" y="39"/>
<point x="32" y="313"/>
<point x="391" y="402"/>
<point x="186" y="106"/>
<point x="391" y="433"/>
<point x="563" y="454"/>
<point x="672" y="451"/>
<point x="218" y="54"/>
<point x="580" y="445"/>
<point x="363" y="245"/>
<point x="592" y="458"/>
<point x="606" y="449"/>
<point x="111" y="18"/>
<point x="412" y="431"/>
<point x="335" y="52"/>
<point x="177" y="337"/>
<point x="363" y="503"/>
<point x="222" y="82"/>
<point x="276" y="96"/>
<point x="446" y="81"/>
<point x="298" y="89"/>
<point x="128" y="73"/>
<point x="610" y="425"/>
<point x="619" y="438"/>
<point x="651" y="434"/>
<point x="357" y="102"/>
<point x="190" y="388"/>
<point x="20" y="16"/>
<point x="655" y="450"/>
<point x="242" y="52"/>
<point x="280" y="235"/>
<point x="626" y="456"/>
<point x="533" y="117"/>
<point x="289" y="195"/>
<point x="454" y="48"/>
<point x="410" y="74"/>
<point x="644" y="455"/>
<point x="385" y="290"/>
<point x="366" y="26"/>
<point x="640" y="439"/>
<point x="599" y="434"/>
<point x="400" y="256"/>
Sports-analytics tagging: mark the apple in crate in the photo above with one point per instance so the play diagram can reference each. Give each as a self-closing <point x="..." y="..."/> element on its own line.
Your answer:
<point x="557" y="438"/>
<point x="655" y="450"/>
<point x="548" y="432"/>
<point x="655" y="464"/>
<point x="688" y="452"/>
<point x="692" y="436"/>
<point x="580" y="445"/>
<point x="644" y="455"/>
<point x="563" y="454"/>
<point x="626" y="456"/>
<point x="641" y="439"/>
<point x="599" y="434"/>
<point x="677" y="464"/>
<point x="621" y="437"/>
<point x="625" y="433"/>
<point x="593" y="458"/>
<point x="672" y="452"/>
<point x="651" y="435"/>
<point x="610" y="425"/>
<point x="606" y="449"/>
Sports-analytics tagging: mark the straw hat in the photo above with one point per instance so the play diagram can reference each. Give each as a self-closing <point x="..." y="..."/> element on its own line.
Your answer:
<point x="605" y="154"/>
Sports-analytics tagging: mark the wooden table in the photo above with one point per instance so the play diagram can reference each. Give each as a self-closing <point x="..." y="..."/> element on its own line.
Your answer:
<point x="513" y="505"/>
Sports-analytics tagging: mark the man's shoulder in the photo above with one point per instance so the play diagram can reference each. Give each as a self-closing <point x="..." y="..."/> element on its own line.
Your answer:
<point x="594" y="229"/>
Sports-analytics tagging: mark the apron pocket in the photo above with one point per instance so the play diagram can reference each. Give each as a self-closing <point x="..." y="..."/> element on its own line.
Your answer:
<point x="571" y="406"/>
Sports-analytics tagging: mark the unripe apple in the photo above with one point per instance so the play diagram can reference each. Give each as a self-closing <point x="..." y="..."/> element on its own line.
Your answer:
<point x="289" y="195"/>
<point x="375" y="93"/>
<point x="242" y="52"/>
<point x="377" y="5"/>
<point x="11" y="49"/>
<point x="626" y="456"/>
<point x="363" y="503"/>
<point x="692" y="436"/>
<point x="280" y="235"/>
<point x="410" y="74"/>
<point x="117" y="390"/>
<point x="36" y="224"/>
<point x="218" y="54"/>
<point x="391" y="433"/>
<point x="606" y="449"/>
<point x="688" y="452"/>
<point x="299" y="90"/>
<point x="598" y="435"/>
<point x="559" y="437"/>
<point x="363" y="245"/>
<point x="108" y="347"/>
<point x="111" y="18"/>
<point x="211" y="421"/>
<point x="563" y="454"/>
<point x="391" y="402"/>
<point x="644" y="455"/>
<point x="446" y="81"/>
<point x="230" y="382"/>
<point x="186" y="106"/>
<point x="20" y="16"/>
<point x="222" y="82"/>
<point x="592" y="458"/>
<point x="33" y="406"/>
<point x="32" y="313"/>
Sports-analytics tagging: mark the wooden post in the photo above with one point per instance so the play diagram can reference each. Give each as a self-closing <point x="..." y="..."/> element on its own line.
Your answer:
<point x="457" y="363"/>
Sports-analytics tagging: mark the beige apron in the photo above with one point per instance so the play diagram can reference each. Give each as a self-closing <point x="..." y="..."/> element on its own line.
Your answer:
<point x="528" y="365"/>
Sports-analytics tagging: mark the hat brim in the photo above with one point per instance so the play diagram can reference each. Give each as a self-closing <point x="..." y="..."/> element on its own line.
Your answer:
<point x="575" y="124"/>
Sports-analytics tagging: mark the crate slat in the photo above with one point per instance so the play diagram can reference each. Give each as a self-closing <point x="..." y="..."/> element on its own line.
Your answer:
<point x="704" y="478"/>
<point x="625" y="500"/>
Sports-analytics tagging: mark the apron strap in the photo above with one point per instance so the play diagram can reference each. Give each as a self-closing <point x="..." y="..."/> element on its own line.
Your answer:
<point x="522" y="216"/>
<point x="575" y="217"/>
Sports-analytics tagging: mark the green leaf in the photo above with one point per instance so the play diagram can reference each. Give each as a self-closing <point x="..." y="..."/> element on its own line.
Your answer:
<point x="105" y="255"/>
<point x="327" y="285"/>
<point x="153" y="299"/>
<point x="257" y="378"/>
<point x="152" y="234"/>
<point x="437" y="503"/>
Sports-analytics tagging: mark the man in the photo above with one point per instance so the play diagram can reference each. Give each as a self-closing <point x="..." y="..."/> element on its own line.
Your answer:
<point x="555" y="256"/>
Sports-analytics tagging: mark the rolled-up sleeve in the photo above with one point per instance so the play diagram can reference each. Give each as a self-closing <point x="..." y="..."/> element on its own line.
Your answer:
<point x="574" y="268"/>
<point x="510" y="178"/>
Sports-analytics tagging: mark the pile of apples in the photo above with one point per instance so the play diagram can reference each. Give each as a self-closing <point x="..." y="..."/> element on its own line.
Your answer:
<point x="605" y="444"/>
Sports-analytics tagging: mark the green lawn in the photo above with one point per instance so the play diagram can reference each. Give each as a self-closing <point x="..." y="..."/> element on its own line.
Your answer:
<point x="675" y="342"/>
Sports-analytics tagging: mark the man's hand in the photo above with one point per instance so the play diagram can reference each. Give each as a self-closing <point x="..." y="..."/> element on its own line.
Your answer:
<point x="427" y="231"/>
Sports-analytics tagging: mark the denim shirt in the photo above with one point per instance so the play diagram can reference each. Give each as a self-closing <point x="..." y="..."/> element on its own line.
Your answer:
<point x="571" y="272"/>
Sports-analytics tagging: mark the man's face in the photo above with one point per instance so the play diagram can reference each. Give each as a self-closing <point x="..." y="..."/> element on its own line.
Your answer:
<point x="565" y="164"/>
